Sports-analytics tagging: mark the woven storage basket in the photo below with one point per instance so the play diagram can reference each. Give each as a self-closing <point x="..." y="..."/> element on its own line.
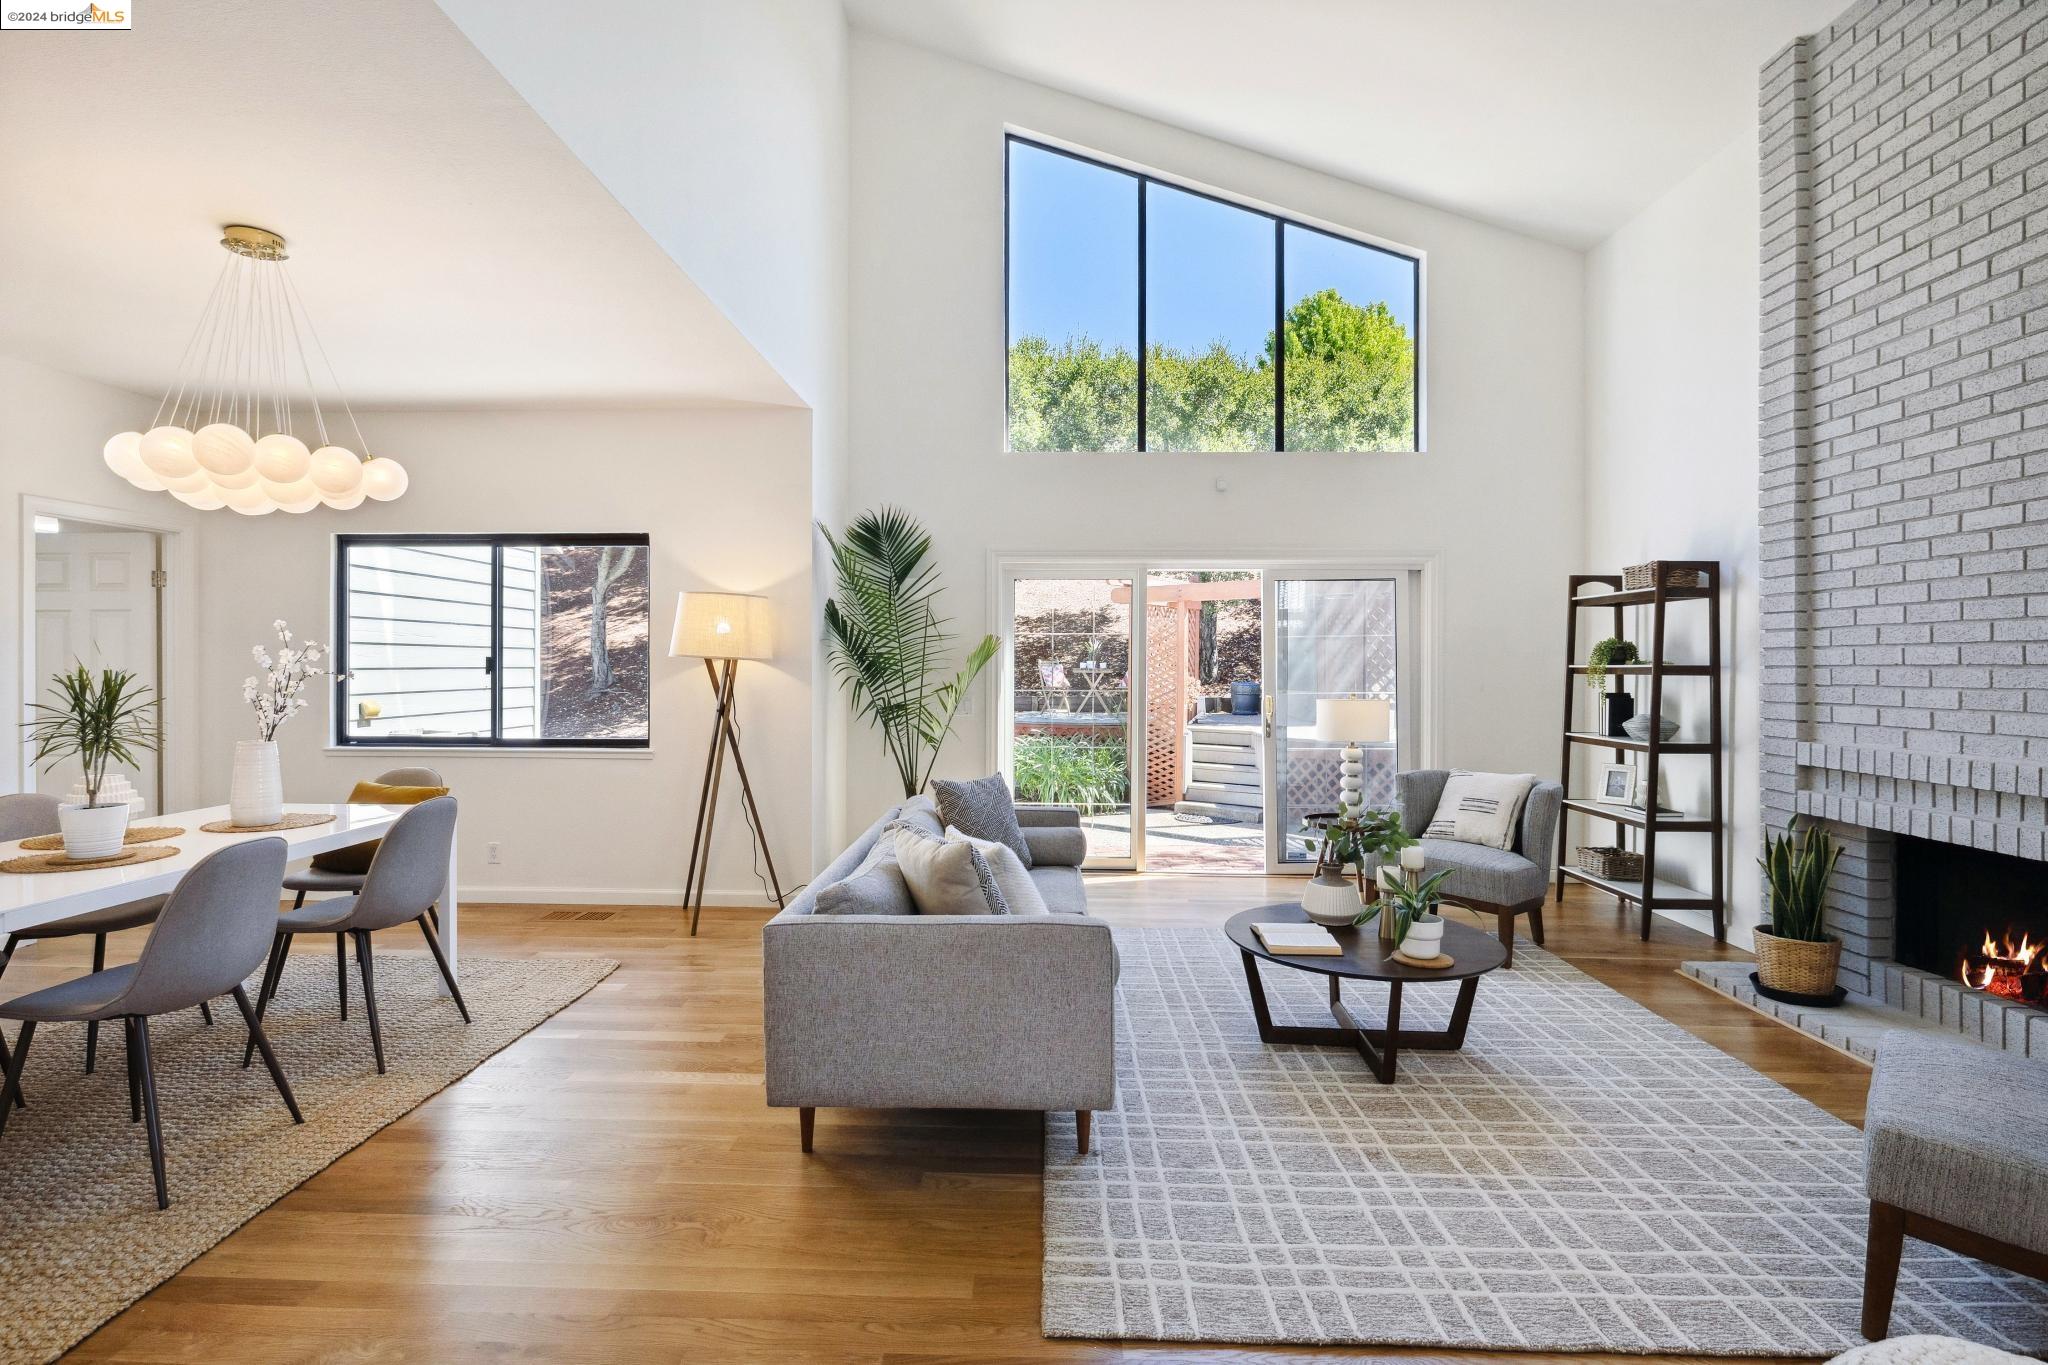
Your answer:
<point x="1637" y="576"/>
<point x="1615" y="864"/>
<point x="1796" y="966"/>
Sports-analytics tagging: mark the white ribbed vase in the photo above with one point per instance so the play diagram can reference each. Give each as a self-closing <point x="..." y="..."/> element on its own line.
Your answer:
<point x="256" y="795"/>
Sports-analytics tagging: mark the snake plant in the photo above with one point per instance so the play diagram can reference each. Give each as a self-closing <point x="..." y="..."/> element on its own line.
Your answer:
<point x="1798" y="868"/>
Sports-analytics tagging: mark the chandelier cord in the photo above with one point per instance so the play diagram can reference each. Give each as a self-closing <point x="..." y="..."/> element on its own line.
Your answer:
<point x="178" y="375"/>
<point x="362" y="443"/>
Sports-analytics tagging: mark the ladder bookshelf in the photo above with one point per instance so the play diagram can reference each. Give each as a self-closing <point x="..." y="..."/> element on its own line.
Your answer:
<point x="1641" y="827"/>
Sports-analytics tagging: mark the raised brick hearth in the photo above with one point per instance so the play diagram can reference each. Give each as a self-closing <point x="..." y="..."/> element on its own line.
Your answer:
<point x="1904" y="455"/>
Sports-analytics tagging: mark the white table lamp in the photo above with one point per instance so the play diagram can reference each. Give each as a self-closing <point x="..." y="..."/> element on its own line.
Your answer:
<point x="1352" y="721"/>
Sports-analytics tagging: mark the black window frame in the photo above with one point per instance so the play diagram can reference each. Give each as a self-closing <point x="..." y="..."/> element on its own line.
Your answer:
<point x="1281" y="222"/>
<point x="498" y="542"/>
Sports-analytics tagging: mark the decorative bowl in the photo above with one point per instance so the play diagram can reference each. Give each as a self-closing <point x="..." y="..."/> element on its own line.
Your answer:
<point x="1638" y="728"/>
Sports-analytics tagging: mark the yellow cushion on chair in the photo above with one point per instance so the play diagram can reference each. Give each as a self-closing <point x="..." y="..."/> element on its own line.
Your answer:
<point x="355" y="859"/>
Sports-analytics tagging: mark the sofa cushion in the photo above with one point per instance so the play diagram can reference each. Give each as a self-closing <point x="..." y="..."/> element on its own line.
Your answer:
<point x="1958" y="1132"/>
<point x="1013" y="879"/>
<point x="983" y="809"/>
<point x="1481" y="808"/>
<point x="947" y="877"/>
<point x="919" y="812"/>
<point x="1056" y="845"/>
<point x="876" y="887"/>
<point x="1061" y="889"/>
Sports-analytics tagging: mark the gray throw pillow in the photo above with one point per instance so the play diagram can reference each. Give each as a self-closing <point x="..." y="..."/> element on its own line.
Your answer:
<point x="947" y="877"/>
<point x="1013" y="879"/>
<point x="876" y="887"/>
<point x="983" y="809"/>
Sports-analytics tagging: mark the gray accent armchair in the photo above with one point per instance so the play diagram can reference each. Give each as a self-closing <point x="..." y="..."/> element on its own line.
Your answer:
<point x="1501" y="882"/>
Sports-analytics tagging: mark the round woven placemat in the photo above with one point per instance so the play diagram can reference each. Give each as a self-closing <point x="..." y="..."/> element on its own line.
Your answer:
<point x="137" y="834"/>
<point x="289" y="822"/>
<point x="57" y="862"/>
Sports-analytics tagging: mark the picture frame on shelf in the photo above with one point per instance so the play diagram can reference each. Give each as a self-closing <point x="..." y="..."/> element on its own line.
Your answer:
<point x="1617" y="783"/>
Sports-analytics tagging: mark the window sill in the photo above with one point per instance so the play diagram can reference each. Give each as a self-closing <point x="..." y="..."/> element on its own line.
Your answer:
<point x="490" y="750"/>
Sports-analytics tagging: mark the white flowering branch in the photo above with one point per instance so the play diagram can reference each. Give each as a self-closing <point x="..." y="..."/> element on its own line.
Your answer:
<point x="275" y="694"/>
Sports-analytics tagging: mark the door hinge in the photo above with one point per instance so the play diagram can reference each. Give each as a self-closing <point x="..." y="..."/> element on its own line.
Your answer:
<point x="159" y="579"/>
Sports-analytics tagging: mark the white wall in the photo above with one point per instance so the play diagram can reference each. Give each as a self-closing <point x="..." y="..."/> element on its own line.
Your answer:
<point x="1671" y="473"/>
<point x="52" y="428"/>
<point x="722" y="128"/>
<point x="725" y="496"/>
<point x="1496" y="500"/>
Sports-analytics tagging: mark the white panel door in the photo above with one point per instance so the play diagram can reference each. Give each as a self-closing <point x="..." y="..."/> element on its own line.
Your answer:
<point x="96" y="605"/>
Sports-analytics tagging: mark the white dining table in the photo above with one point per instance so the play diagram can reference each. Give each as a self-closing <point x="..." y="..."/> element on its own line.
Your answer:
<point x="29" y="899"/>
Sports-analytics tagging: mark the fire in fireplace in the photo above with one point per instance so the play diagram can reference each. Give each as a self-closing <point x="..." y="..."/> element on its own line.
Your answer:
<point x="1973" y="916"/>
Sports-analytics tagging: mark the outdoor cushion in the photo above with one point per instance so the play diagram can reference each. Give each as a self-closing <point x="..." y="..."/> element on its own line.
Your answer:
<point x="947" y="878"/>
<point x="1959" y="1133"/>
<point x="983" y="809"/>
<point x="356" y="858"/>
<point x="1056" y="845"/>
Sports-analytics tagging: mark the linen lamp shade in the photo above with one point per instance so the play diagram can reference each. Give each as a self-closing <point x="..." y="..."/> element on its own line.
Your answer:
<point x="1354" y="720"/>
<point x="721" y="625"/>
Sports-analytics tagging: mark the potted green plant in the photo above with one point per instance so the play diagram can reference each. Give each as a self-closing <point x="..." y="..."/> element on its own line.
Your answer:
<point x="1409" y="902"/>
<point x="1620" y="706"/>
<point x="1343" y="845"/>
<point x="98" y="721"/>
<point x="1795" y="954"/>
<point x="887" y="639"/>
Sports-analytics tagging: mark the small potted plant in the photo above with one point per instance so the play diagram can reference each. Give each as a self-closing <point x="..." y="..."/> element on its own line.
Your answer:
<point x="1343" y="845"/>
<point x="1409" y="903"/>
<point x="98" y="721"/>
<point x="1621" y="707"/>
<point x="1796" y="955"/>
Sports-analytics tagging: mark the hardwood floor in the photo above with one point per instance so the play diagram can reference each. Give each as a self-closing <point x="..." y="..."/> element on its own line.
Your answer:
<point x="612" y="1188"/>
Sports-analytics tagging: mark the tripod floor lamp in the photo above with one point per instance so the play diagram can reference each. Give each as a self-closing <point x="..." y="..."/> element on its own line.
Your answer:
<point x="722" y="628"/>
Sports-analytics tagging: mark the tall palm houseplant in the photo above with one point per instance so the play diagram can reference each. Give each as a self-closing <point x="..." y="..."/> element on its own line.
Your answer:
<point x="98" y="721"/>
<point x="1795" y="954"/>
<point x="889" y="643"/>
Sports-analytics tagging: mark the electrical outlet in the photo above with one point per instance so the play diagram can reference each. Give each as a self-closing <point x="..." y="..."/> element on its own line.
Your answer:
<point x="491" y="853"/>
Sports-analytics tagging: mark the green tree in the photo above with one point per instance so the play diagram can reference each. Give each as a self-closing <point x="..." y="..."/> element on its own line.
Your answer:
<point x="1350" y="386"/>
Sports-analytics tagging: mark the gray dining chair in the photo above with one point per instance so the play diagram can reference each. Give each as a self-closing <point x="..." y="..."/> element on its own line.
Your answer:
<point x="212" y="933"/>
<point x="28" y="814"/>
<point x="406" y="878"/>
<point x="351" y="883"/>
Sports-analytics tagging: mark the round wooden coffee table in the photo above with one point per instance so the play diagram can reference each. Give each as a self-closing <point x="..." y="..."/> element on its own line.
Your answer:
<point x="1365" y="959"/>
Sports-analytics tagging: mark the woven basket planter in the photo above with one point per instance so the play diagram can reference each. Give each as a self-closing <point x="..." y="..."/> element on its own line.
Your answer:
<point x="1615" y="864"/>
<point x="1796" y="966"/>
<point x="1638" y="576"/>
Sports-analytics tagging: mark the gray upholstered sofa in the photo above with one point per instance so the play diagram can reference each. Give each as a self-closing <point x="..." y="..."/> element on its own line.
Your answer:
<point x="913" y="1011"/>
<point x="1502" y="882"/>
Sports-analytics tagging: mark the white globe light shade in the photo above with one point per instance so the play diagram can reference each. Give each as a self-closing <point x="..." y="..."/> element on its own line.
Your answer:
<point x="304" y="503"/>
<point x="224" y="449"/>
<point x="123" y="455"/>
<point x="336" y="471"/>
<point x="282" y="459"/>
<point x="343" y="502"/>
<point x="198" y="481"/>
<point x="206" y="499"/>
<point x="251" y="501"/>
<point x="246" y="479"/>
<point x="385" y="479"/>
<point x="168" y="452"/>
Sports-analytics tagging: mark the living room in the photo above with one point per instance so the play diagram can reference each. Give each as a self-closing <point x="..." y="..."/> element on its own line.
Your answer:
<point x="993" y="587"/>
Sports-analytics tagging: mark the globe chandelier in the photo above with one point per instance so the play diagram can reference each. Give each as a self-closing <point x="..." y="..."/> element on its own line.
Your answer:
<point x="244" y="367"/>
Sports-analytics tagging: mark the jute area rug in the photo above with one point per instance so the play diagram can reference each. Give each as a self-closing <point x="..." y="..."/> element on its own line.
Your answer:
<point x="1583" y="1176"/>
<point x="81" y="1237"/>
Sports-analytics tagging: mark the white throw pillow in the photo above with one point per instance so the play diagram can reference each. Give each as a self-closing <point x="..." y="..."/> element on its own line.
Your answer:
<point x="1013" y="879"/>
<point x="947" y="878"/>
<point x="1481" y="808"/>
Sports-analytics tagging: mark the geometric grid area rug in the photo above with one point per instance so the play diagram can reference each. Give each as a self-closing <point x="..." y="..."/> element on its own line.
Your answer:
<point x="81" y="1237"/>
<point x="1582" y="1176"/>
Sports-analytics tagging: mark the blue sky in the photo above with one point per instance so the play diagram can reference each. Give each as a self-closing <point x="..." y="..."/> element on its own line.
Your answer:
<point x="1074" y="266"/>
